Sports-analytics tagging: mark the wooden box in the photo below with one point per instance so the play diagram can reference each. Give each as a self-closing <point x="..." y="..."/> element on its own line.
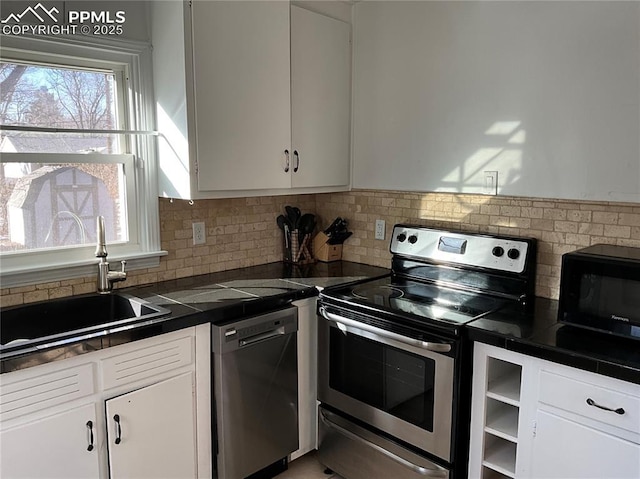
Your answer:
<point x="324" y="251"/>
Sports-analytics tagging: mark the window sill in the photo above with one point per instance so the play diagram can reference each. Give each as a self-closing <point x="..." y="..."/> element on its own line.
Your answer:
<point x="47" y="273"/>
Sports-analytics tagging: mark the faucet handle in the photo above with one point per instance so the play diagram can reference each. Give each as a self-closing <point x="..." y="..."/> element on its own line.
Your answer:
<point x="124" y="265"/>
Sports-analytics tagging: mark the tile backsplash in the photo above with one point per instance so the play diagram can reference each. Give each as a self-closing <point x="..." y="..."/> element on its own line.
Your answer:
<point x="243" y="232"/>
<point x="559" y="225"/>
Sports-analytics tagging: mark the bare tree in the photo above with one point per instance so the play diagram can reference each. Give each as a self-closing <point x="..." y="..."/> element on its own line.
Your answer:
<point x="44" y="110"/>
<point x="15" y="92"/>
<point x="83" y="97"/>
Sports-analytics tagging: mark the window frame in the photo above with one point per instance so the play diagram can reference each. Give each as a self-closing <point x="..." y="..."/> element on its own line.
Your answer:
<point x="136" y="110"/>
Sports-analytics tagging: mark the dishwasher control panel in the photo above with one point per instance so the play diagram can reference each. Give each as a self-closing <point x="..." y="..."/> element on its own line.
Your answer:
<point x="233" y="333"/>
<point x="248" y="331"/>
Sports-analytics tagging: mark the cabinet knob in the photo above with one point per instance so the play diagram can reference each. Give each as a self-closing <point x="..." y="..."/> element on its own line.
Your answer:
<point x="286" y="157"/>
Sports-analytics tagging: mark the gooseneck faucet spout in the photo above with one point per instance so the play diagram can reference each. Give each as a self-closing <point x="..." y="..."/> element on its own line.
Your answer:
<point x="106" y="277"/>
<point x="101" y="248"/>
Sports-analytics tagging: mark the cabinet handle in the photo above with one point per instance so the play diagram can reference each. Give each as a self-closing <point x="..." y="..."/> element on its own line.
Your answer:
<point x="591" y="402"/>
<point x="116" y="418"/>
<point x="286" y="156"/>
<point x="295" y="168"/>
<point x="90" y="428"/>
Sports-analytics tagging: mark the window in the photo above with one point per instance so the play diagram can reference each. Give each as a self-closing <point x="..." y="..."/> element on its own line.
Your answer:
<point x="61" y="166"/>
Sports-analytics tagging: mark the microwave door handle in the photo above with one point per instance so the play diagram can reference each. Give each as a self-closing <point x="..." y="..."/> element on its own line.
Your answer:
<point x="344" y="323"/>
<point x="423" y="471"/>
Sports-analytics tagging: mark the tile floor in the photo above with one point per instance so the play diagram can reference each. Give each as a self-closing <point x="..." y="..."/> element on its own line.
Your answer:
<point x="306" y="467"/>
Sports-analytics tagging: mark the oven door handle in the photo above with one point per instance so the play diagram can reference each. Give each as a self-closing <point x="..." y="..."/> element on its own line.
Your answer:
<point x="423" y="471"/>
<point x="345" y="323"/>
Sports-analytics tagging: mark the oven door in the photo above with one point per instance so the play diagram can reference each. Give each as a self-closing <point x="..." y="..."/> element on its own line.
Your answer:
<point x="400" y="385"/>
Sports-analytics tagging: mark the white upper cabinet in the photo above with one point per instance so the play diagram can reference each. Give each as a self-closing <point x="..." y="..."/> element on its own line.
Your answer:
<point x="320" y="98"/>
<point x="252" y="97"/>
<point x="241" y="74"/>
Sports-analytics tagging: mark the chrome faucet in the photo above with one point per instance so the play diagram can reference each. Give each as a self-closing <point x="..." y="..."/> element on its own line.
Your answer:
<point x="106" y="277"/>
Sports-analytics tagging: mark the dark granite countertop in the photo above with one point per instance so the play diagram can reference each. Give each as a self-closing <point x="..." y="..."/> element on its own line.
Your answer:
<point x="537" y="333"/>
<point x="212" y="298"/>
<point x="229" y="295"/>
<point x="247" y="291"/>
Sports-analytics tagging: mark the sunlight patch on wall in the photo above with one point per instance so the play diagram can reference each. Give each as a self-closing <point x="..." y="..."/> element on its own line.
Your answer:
<point x="502" y="128"/>
<point x="502" y="152"/>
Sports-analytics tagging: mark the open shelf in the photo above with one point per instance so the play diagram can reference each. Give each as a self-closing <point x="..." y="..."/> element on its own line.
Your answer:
<point x="501" y="413"/>
<point x="504" y="381"/>
<point x="488" y="473"/>
<point x="500" y="455"/>
<point x="502" y="420"/>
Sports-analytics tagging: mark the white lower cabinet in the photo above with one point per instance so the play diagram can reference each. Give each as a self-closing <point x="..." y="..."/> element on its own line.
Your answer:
<point x="567" y="449"/>
<point x="537" y="419"/>
<point x="58" y="446"/>
<point x="139" y="410"/>
<point x="152" y="431"/>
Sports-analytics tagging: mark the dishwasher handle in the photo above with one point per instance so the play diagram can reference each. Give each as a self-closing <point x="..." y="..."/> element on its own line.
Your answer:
<point x="258" y="338"/>
<point x="249" y="331"/>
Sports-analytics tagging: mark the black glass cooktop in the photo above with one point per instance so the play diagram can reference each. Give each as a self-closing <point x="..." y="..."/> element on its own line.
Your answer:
<point x="418" y="300"/>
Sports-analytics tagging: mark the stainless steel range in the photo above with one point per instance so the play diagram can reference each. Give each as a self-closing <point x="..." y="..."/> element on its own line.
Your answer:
<point x="394" y="362"/>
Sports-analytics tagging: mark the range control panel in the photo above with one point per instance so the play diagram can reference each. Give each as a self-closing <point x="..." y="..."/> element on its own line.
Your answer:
<point x="484" y="251"/>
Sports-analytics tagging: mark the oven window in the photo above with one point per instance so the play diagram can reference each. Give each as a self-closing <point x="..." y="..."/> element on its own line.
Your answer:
<point x="387" y="378"/>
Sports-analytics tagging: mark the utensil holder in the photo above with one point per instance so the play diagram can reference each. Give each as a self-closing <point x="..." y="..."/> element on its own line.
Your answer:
<point x="297" y="247"/>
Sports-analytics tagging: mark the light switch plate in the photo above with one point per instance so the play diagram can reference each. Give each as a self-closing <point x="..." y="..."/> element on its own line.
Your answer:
<point x="490" y="182"/>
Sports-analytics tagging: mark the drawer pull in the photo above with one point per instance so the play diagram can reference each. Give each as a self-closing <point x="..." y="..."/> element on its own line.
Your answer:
<point x="116" y="418"/>
<point x="591" y="402"/>
<point x="90" y="428"/>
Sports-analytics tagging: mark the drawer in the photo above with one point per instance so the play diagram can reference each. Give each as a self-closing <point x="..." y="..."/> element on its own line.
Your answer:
<point x="32" y="394"/>
<point x="588" y="400"/>
<point x="147" y="361"/>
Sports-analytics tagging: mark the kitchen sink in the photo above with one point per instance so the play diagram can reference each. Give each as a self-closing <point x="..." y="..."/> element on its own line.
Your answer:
<point x="63" y="319"/>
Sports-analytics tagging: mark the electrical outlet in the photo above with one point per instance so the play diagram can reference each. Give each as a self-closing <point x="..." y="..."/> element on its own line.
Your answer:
<point x="379" y="229"/>
<point x="199" y="233"/>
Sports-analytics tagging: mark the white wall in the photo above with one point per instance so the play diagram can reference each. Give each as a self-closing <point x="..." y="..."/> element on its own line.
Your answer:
<point x="546" y="93"/>
<point x="340" y="10"/>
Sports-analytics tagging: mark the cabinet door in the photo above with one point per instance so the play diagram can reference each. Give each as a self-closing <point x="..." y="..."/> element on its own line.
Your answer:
<point x="242" y="94"/>
<point x="565" y="449"/>
<point x="57" y="446"/>
<point x="320" y="99"/>
<point x="154" y="432"/>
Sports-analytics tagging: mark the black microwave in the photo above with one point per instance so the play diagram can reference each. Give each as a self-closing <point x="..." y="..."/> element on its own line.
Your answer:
<point x="600" y="289"/>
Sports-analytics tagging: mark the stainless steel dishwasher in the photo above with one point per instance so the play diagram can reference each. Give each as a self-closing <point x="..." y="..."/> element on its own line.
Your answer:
<point x="255" y="378"/>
